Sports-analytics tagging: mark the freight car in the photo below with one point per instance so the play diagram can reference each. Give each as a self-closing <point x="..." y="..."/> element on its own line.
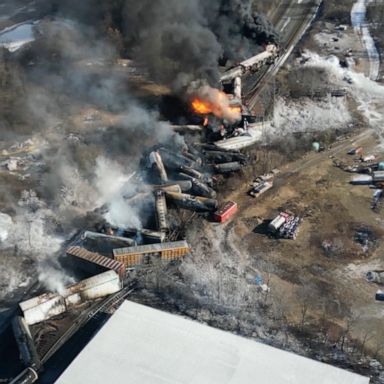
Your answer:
<point x="28" y="376"/>
<point x="225" y="212"/>
<point x="94" y="262"/>
<point x="161" y="211"/>
<point x="142" y="254"/>
<point x="27" y="349"/>
<point x="252" y="64"/>
<point x="145" y="235"/>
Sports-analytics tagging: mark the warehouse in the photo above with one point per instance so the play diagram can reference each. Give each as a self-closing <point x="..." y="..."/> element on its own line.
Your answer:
<point x="144" y="345"/>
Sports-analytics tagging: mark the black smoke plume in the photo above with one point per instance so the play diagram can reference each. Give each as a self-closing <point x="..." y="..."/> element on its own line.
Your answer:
<point x="180" y="41"/>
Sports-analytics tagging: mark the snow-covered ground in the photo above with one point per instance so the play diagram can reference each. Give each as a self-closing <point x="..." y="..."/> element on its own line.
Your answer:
<point x="368" y="94"/>
<point x="310" y="116"/>
<point x="358" y="18"/>
<point x="16" y="36"/>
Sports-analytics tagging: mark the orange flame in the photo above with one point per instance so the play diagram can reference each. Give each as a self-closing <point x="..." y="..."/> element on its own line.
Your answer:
<point x="211" y="100"/>
<point x="236" y="109"/>
<point x="201" y="107"/>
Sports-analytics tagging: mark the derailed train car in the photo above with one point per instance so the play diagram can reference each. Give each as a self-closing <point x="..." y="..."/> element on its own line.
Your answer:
<point x="142" y="254"/>
<point x="161" y="211"/>
<point x="252" y="64"/>
<point x="28" y="376"/>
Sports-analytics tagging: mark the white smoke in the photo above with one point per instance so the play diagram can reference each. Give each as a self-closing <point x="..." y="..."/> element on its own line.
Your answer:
<point x="76" y="193"/>
<point x="113" y="182"/>
<point x="53" y="278"/>
<point x="29" y="234"/>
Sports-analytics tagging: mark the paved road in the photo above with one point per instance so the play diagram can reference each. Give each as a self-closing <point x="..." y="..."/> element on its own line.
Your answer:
<point x="342" y="147"/>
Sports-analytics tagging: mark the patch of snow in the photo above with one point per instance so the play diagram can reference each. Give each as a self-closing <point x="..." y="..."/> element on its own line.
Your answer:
<point x="368" y="94"/>
<point x="16" y="36"/>
<point x="11" y="164"/>
<point x="358" y="19"/>
<point x="5" y="224"/>
<point x="25" y="283"/>
<point x="308" y="116"/>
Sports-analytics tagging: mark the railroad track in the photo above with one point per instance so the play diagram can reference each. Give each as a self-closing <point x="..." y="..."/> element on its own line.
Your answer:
<point x="263" y="77"/>
<point x="103" y="306"/>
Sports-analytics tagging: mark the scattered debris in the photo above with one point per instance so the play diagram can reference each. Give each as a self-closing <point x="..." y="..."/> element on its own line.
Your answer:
<point x="285" y="225"/>
<point x="365" y="237"/>
<point x="377" y="195"/>
<point x="375" y="277"/>
<point x="260" y="283"/>
<point x="368" y="158"/>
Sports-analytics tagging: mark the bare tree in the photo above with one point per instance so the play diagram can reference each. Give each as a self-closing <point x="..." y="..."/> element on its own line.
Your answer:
<point x="366" y="337"/>
<point x="346" y="333"/>
<point x="306" y="297"/>
<point x="323" y="322"/>
<point x="378" y="348"/>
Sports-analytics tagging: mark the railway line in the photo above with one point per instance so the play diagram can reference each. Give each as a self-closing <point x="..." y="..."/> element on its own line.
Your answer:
<point x="291" y="26"/>
<point x="104" y="305"/>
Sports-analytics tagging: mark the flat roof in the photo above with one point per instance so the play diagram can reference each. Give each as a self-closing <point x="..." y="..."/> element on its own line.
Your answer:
<point x="139" y="344"/>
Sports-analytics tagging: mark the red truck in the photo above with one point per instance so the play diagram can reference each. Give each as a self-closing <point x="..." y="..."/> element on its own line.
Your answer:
<point x="225" y="211"/>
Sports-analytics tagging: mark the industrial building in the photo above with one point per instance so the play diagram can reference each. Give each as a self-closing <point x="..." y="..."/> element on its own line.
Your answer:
<point x="142" y="254"/>
<point x="143" y="345"/>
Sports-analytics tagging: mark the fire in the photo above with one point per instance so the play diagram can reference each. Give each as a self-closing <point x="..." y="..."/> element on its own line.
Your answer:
<point x="201" y="107"/>
<point x="236" y="109"/>
<point x="208" y="100"/>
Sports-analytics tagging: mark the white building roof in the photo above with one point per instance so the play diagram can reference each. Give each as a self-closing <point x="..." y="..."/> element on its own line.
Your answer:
<point x="142" y="345"/>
